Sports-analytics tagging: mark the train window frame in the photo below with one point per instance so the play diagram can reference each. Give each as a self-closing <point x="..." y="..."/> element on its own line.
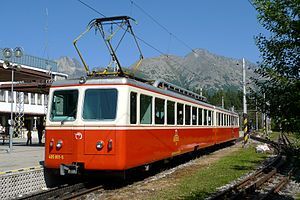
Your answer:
<point x="131" y="119"/>
<point x="200" y="116"/>
<point x="64" y="118"/>
<point x="187" y="114"/>
<point x="168" y="112"/>
<point x="159" y="104"/>
<point x="99" y="120"/>
<point x="149" y="106"/>
<point x="228" y="124"/>
<point x="205" y="122"/>
<point x="180" y="117"/>
<point x="221" y="119"/>
<point x="210" y="117"/>
<point x="194" y="115"/>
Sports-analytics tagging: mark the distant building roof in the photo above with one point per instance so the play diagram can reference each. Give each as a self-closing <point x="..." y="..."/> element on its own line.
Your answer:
<point x="33" y="61"/>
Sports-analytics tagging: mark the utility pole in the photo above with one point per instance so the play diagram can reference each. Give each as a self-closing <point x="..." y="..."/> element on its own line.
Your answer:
<point x="244" y="88"/>
<point x="245" y="117"/>
<point x="256" y="116"/>
<point x="265" y="117"/>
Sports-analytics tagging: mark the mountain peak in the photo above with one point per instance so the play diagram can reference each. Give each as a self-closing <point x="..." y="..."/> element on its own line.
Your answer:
<point x="198" y="69"/>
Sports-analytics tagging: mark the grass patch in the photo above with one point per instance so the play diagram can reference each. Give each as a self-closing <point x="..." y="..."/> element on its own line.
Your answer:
<point x="203" y="182"/>
<point x="274" y="136"/>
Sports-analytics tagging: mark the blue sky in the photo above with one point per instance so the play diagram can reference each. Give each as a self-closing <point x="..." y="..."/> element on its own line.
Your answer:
<point x="222" y="27"/>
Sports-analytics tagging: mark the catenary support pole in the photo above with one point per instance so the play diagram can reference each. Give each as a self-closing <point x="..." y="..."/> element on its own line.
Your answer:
<point x="245" y="117"/>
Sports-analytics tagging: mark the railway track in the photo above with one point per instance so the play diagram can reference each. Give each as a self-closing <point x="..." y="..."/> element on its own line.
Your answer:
<point x="267" y="181"/>
<point x="262" y="184"/>
<point x="65" y="192"/>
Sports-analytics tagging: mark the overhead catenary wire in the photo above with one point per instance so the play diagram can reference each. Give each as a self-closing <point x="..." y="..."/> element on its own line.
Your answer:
<point x="252" y="4"/>
<point x="162" y="26"/>
<point x="145" y="42"/>
<point x="90" y="7"/>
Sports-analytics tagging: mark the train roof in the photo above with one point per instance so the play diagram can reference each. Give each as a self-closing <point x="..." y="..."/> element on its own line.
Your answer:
<point x="154" y="86"/>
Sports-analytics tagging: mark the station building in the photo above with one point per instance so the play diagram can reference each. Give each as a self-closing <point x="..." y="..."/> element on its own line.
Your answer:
<point x="32" y="77"/>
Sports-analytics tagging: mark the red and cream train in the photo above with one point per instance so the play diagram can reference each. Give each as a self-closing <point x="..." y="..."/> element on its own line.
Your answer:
<point x="117" y="123"/>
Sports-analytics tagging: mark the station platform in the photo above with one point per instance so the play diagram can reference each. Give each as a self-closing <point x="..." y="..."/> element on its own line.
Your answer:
<point x="21" y="157"/>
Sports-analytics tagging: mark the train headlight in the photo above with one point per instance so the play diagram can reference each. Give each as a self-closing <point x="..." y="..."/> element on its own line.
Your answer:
<point x="59" y="144"/>
<point x="99" y="145"/>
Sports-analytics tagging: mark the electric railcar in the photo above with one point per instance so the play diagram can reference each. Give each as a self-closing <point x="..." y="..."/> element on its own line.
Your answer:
<point x="118" y="123"/>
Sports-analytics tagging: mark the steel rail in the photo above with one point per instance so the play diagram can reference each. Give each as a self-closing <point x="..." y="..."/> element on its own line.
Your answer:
<point x="57" y="192"/>
<point x="238" y="189"/>
<point x="83" y="192"/>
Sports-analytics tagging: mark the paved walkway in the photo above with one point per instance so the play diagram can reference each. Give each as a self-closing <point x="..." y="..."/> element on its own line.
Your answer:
<point x="22" y="156"/>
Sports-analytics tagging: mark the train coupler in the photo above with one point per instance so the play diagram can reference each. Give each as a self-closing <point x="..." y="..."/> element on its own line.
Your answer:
<point x="66" y="169"/>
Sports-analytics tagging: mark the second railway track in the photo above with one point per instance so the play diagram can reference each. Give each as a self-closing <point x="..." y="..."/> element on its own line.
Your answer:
<point x="265" y="182"/>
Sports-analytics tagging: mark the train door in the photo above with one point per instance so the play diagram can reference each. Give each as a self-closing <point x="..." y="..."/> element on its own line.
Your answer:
<point x="99" y="115"/>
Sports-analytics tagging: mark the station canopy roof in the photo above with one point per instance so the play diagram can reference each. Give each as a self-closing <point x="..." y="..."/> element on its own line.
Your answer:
<point x="25" y="80"/>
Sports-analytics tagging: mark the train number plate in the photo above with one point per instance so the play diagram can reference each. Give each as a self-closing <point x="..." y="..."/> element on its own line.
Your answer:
<point x="56" y="157"/>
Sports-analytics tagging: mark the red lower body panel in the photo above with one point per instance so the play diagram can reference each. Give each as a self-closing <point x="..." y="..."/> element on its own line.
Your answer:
<point x="124" y="149"/>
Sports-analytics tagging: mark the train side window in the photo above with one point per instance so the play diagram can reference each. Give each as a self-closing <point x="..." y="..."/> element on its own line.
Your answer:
<point x="194" y="116"/>
<point x="145" y="109"/>
<point x="133" y="107"/>
<point x="187" y="115"/>
<point x="179" y="114"/>
<point x="200" y="116"/>
<point x="209" y="118"/>
<point x="205" y="117"/>
<point x="221" y="119"/>
<point x="217" y="119"/>
<point x="159" y="111"/>
<point x="170" y="112"/>
<point x="227" y="120"/>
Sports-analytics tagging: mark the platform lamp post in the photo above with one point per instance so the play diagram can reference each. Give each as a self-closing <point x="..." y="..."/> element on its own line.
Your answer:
<point x="7" y="54"/>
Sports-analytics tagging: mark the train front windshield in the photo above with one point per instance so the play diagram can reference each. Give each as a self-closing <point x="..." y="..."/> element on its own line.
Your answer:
<point x="100" y="104"/>
<point x="64" y="105"/>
